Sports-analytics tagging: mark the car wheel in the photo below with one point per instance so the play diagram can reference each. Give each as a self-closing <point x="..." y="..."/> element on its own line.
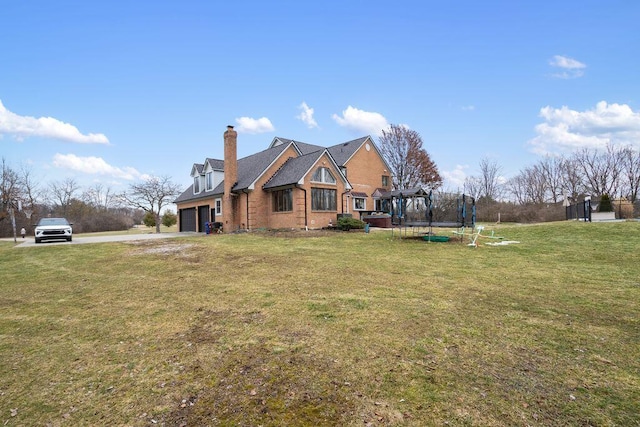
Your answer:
<point x="69" y="239"/>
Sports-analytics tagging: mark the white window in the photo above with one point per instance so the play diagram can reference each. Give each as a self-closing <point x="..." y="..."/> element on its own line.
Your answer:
<point x="359" y="204"/>
<point x="218" y="207"/>
<point x="323" y="175"/>
<point x="209" y="181"/>
<point x="196" y="184"/>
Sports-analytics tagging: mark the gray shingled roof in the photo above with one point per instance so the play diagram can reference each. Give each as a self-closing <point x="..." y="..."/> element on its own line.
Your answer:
<point x="308" y="148"/>
<point x="342" y="152"/>
<point x="293" y="170"/>
<point x="250" y="168"/>
<point x="215" y="164"/>
<point x="198" y="166"/>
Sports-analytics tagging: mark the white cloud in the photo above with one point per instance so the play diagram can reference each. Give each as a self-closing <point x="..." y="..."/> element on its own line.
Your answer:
<point x="249" y="125"/>
<point x="564" y="129"/>
<point x="456" y="177"/>
<point x="362" y="121"/>
<point x="469" y="108"/>
<point x="46" y="127"/>
<point x="570" y="67"/>
<point x="95" y="166"/>
<point x="306" y="115"/>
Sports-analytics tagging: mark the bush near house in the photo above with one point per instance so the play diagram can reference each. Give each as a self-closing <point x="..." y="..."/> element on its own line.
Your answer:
<point x="348" y="223"/>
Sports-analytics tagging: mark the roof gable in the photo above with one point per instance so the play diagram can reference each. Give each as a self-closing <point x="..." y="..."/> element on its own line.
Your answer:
<point x="343" y="152"/>
<point x="295" y="169"/>
<point x="197" y="169"/>
<point x="214" y="164"/>
<point x="252" y="167"/>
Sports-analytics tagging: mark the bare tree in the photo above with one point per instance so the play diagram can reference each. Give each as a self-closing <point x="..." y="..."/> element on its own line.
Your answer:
<point x="490" y="175"/>
<point x="152" y="195"/>
<point x="31" y="190"/>
<point x="551" y="168"/>
<point x="63" y="193"/>
<point x="517" y="187"/>
<point x="572" y="180"/>
<point x="473" y="187"/>
<point x="10" y="189"/>
<point x="410" y="164"/>
<point x="601" y="170"/>
<point x="487" y="184"/>
<point x="537" y="184"/>
<point x="100" y="197"/>
<point x="631" y="172"/>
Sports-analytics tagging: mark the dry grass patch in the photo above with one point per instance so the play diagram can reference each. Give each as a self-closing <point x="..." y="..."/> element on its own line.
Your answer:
<point x="333" y="329"/>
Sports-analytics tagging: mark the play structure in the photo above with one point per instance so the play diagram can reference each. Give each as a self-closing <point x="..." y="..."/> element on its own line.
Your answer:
<point x="477" y="234"/>
<point x="418" y="212"/>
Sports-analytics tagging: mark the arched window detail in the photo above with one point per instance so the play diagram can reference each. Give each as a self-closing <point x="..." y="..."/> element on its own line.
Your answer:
<point x="323" y="175"/>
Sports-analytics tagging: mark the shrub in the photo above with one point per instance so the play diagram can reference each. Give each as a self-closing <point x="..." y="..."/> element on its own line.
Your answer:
<point x="348" y="223"/>
<point x="149" y="219"/>
<point x="169" y="219"/>
<point x="605" y="204"/>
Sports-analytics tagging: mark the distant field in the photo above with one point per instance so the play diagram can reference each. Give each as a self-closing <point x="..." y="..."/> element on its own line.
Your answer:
<point x="325" y="329"/>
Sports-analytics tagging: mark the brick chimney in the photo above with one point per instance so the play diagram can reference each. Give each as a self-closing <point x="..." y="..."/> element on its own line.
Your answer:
<point x="230" y="175"/>
<point x="230" y="159"/>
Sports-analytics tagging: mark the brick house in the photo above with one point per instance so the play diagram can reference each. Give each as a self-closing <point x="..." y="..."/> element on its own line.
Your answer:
<point x="291" y="184"/>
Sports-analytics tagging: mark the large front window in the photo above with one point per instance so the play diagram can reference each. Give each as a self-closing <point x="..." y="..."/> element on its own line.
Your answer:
<point x="324" y="199"/>
<point x="283" y="200"/>
<point x="323" y="175"/>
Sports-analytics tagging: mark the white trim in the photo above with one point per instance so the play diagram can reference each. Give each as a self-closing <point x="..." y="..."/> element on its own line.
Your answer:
<point x="208" y="180"/>
<point x="364" y="208"/>
<point x="200" y="184"/>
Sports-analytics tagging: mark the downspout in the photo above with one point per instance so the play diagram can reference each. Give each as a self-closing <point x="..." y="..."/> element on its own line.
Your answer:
<point x="247" y="193"/>
<point x="342" y="200"/>
<point x="306" y="227"/>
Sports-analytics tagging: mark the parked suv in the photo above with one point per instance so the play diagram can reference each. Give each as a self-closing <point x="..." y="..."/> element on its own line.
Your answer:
<point x="53" y="228"/>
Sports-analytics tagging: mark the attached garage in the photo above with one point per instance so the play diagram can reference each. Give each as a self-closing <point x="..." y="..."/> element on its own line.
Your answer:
<point x="188" y="219"/>
<point x="203" y="217"/>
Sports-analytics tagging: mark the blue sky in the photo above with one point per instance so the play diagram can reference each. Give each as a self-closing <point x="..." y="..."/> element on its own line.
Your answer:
<point x="112" y="92"/>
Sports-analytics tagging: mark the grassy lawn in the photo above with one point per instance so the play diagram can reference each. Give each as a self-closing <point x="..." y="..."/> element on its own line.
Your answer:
<point x="325" y="329"/>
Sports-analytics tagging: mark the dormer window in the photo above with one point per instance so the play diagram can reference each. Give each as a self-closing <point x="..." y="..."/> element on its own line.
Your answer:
<point x="196" y="184"/>
<point x="323" y="175"/>
<point x="209" y="181"/>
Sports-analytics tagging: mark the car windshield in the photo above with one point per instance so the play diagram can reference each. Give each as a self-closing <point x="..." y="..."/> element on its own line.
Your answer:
<point x="53" y="221"/>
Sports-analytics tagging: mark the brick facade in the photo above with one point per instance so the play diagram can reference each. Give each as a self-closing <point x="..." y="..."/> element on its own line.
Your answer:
<point x="287" y="166"/>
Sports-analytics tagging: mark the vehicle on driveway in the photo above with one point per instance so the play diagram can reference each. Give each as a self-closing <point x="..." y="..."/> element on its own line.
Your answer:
<point x="53" y="229"/>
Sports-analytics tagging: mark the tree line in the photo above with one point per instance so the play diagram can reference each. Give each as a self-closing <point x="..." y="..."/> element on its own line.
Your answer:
<point x="538" y="192"/>
<point x="94" y="208"/>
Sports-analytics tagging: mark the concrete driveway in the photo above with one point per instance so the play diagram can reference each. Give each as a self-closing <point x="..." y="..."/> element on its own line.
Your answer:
<point x="79" y="240"/>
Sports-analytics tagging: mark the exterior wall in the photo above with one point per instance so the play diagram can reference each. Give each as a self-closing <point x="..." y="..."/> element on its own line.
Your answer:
<point x="364" y="172"/>
<point x="319" y="219"/>
<point x="195" y="204"/>
<point x="261" y="213"/>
